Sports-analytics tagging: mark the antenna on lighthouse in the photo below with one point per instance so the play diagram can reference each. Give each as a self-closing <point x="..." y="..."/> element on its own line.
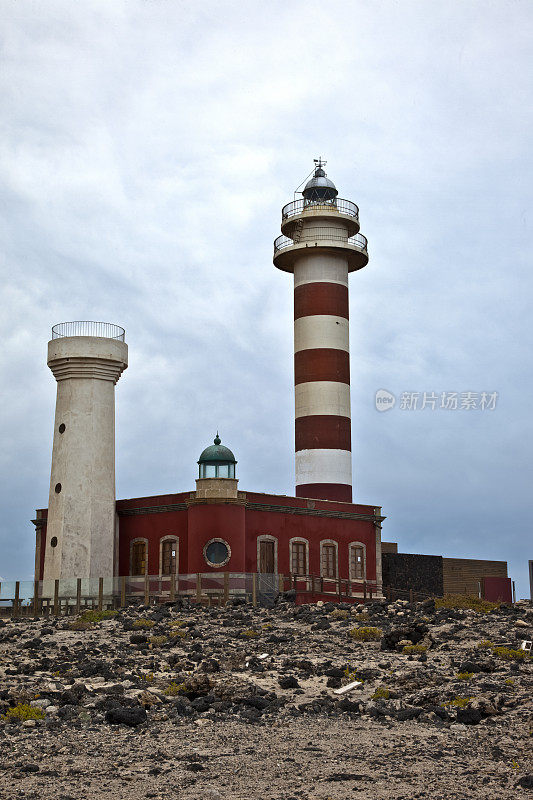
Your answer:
<point x="319" y="164"/>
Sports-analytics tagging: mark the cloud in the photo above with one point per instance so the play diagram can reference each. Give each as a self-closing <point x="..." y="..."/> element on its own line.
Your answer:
<point x="149" y="149"/>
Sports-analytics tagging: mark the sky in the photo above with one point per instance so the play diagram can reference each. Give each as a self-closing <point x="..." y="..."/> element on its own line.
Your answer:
<point x="146" y="150"/>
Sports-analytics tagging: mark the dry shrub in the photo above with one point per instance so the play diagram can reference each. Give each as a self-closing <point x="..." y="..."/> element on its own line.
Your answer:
<point x="366" y="634"/>
<point x="466" y="601"/>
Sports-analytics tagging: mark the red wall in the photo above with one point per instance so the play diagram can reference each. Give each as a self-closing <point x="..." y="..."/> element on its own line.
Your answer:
<point x="216" y="521"/>
<point x="239" y="525"/>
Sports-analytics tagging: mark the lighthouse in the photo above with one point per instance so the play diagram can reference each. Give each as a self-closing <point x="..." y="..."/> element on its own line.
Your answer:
<point x="320" y="245"/>
<point x="86" y="359"/>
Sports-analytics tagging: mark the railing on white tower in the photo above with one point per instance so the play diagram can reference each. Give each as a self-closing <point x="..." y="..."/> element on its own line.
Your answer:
<point x="299" y="206"/>
<point x="359" y="241"/>
<point x="105" y="330"/>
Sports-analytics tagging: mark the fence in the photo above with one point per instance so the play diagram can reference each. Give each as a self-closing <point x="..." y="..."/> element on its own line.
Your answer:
<point x="72" y="595"/>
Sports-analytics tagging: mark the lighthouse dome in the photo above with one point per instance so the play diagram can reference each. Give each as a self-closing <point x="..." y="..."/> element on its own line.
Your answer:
<point x="320" y="188"/>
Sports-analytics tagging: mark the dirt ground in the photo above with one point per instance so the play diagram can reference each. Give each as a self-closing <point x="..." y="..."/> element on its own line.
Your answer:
<point x="253" y="709"/>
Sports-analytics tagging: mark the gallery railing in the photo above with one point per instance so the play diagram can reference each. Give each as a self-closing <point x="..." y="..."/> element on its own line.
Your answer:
<point x="358" y="241"/>
<point x="105" y="330"/>
<point x="300" y="206"/>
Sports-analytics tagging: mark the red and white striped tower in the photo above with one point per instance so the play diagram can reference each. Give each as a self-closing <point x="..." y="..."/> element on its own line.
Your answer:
<point x="320" y="245"/>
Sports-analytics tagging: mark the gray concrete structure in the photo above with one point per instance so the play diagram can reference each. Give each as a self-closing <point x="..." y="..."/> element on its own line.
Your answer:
<point x="80" y="539"/>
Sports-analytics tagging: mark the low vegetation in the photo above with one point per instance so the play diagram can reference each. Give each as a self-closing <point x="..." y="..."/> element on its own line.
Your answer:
<point x="509" y="654"/>
<point x="23" y="711"/>
<point x="350" y="675"/>
<point x="157" y="641"/>
<point x="366" y="634"/>
<point x="381" y="694"/>
<point x="413" y="649"/>
<point x="179" y="634"/>
<point x="464" y="676"/>
<point x="97" y="616"/>
<point x="339" y="613"/>
<point x="458" y="702"/>
<point x="174" y="689"/>
<point x="143" y="623"/>
<point x="466" y="601"/>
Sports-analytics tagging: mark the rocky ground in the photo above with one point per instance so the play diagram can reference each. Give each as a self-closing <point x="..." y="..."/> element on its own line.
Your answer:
<point x="238" y="702"/>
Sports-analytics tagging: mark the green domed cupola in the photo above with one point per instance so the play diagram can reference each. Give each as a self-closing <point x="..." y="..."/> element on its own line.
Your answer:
<point x="217" y="461"/>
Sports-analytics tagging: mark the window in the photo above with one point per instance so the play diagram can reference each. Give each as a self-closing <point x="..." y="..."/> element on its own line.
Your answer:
<point x="138" y="558"/>
<point x="357" y="562"/>
<point x="298" y="558"/>
<point x="217" y="553"/>
<point x="217" y="470"/>
<point x="168" y="557"/>
<point x="329" y="561"/>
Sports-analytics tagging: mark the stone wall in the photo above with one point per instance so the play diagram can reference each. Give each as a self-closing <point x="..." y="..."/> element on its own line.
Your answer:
<point x="412" y="571"/>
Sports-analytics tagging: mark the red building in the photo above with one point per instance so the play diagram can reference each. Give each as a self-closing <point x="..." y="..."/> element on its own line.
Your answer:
<point x="219" y="529"/>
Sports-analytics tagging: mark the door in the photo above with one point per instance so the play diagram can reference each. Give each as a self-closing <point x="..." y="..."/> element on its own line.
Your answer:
<point x="266" y="557"/>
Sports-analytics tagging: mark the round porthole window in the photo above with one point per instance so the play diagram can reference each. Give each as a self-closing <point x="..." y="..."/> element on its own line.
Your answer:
<point x="53" y="541"/>
<point x="62" y="428"/>
<point x="57" y="488"/>
<point x="217" y="553"/>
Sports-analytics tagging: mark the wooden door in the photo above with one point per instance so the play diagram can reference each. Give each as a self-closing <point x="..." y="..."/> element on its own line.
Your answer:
<point x="266" y="557"/>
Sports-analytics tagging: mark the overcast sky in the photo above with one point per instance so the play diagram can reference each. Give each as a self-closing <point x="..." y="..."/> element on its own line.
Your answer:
<point x="146" y="151"/>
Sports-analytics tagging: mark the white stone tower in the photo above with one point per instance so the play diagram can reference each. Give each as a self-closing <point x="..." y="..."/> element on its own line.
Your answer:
<point x="87" y="359"/>
<point x="320" y="246"/>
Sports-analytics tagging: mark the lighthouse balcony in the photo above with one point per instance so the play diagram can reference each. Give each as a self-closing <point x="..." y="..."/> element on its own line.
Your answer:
<point x="102" y="330"/>
<point x="294" y="214"/>
<point x="353" y="248"/>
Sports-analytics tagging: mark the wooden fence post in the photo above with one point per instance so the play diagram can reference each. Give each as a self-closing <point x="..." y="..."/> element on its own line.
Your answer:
<point x="198" y="587"/>
<point x="16" y="601"/>
<point x="100" y="594"/>
<point x="340" y="590"/>
<point x="364" y="591"/>
<point x="254" y="589"/>
<point x="146" y="590"/>
<point x="172" y="587"/>
<point x="35" y="598"/>
<point x="226" y="587"/>
<point x="280" y="583"/>
<point x="411" y="596"/>
<point x="123" y="591"/>
<point x="56" y="597"/>
<point x="78" y="595"/>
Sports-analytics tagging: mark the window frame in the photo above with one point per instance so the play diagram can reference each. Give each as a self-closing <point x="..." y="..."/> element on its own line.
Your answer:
<point x="222" y="563"/>
<point x="329" y="543"/>
<point x="299" y="540"/>
<point x="266" y="537"/>
<point x="351" y="546"/>
<point x="171" y="537"/>
<point x="139" y="540"/>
